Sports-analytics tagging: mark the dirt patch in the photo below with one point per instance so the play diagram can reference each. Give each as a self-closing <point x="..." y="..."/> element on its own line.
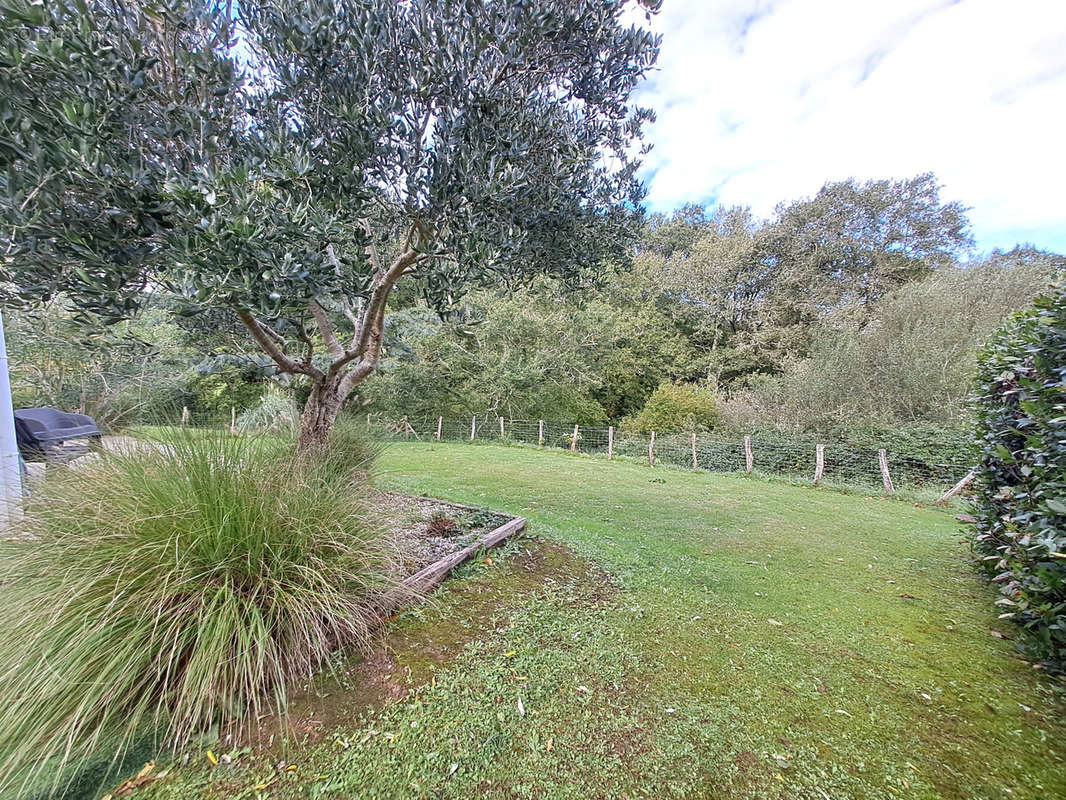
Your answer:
<point x="409" y="652"/>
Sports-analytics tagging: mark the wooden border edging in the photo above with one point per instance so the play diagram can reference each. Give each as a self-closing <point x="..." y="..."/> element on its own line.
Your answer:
<point x="428" y="578"/>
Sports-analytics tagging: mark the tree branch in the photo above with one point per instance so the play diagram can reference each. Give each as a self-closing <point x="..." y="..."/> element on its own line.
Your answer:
<point x="353" y="317"/>
<point x="307" y="340"/>
<point x="270" y="347"/>
<point x="371" y="249"/>
<point x="325" y="327"/>
<point x="346" y="307"/>
<point x="368" y="348"/>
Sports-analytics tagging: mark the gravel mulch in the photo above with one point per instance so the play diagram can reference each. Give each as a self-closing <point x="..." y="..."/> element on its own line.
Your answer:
<point x="426" y="529"/>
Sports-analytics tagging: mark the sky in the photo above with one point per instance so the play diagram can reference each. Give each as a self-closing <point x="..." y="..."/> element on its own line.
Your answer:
<point x="763" y="101"/>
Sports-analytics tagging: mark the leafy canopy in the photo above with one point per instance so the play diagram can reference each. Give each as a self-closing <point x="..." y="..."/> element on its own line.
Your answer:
<point x="288" y="155"/>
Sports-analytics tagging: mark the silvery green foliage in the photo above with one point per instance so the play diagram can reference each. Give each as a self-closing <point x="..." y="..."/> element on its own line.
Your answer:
<point x="248" y="163"/>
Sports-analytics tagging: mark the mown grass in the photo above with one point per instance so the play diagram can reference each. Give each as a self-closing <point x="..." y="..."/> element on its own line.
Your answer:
<point x="760" y="641"/>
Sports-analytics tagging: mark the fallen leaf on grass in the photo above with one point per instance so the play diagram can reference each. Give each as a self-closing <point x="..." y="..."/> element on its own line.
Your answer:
<point x="774" y="622"/>
<point x="211" y="758"/>
<point x="551" y="744"/>
<point x="521" y="708"/>
<point x="136" y="782"/>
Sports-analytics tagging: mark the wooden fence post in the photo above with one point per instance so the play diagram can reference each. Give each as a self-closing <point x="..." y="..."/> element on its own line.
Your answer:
<point x="406" y="428"/>
<point x="819" y="463"/>
<point x="473" y="427"/>
<point x="651" y="450"/>
<point x="610" y="442"/>
<point x="958" y="487"/>
<point x="573" y="441"/>
<point x="184" y="416"/>
<point x="540" y="434"/>
<point x="502" y="434"/>
<point x="886" y="479"/>
<point x="749" y="458"/>
<point x="440" y="423"/>
<point x="695" y="462"/>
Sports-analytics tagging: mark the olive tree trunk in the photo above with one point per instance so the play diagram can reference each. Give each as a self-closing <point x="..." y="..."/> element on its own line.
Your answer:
<point x="350" y="364"/>
<point x="319" y="415"/>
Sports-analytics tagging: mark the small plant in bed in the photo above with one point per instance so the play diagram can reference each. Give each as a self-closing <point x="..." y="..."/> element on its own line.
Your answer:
<point x="441" y="525"/>
<point x="172" y="589"/>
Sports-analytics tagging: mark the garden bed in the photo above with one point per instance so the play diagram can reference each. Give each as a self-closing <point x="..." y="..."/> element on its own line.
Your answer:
<point x="427" y="530"/>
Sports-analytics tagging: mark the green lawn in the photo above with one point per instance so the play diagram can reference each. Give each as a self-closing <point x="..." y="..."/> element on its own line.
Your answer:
<point x="714" y="636"/>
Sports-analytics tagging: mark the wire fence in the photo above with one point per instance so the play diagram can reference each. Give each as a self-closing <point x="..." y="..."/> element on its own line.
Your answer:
<point x="868" y="469"/>
<point x="818" y="463"/>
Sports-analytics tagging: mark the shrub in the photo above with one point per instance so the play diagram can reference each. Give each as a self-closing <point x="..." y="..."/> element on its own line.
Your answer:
<point x="275" y="411"/>
<point x="213" y="394"/>
<point x="907" y="358"/>
<point x="1021" y="499"/>
<point x="171" y="589"/>
<point x="673" y="408"/>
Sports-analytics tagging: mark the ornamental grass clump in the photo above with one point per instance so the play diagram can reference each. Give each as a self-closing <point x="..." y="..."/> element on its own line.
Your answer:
<point x="173" y="589"/>
<point x="1020" y="503"/>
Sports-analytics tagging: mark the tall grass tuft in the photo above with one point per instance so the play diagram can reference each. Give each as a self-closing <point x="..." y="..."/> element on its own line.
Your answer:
<point x="174" y="588"/>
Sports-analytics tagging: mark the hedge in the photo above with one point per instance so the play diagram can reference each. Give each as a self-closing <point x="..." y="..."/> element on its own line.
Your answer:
<point x="1020" y="503"/>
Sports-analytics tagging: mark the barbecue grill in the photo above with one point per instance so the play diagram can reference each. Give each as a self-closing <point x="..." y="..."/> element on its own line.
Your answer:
<point x="48" y="434"/>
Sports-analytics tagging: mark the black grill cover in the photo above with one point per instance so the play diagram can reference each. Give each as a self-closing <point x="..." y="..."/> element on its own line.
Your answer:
<point x="37" y="427"/>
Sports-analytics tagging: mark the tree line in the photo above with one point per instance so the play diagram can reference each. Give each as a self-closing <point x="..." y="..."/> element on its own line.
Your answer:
<point x="862" y="304"/>
<point x="816" y="318"/>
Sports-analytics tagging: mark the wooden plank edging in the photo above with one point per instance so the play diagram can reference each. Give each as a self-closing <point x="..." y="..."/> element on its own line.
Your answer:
<point x="428" y="578"/>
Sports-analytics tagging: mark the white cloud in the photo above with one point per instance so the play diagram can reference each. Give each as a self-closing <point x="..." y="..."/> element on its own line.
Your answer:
<point x="761" y="101"/>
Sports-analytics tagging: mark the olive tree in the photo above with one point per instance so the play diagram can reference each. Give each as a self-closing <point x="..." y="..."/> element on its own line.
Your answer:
<point x="292" y="161"/>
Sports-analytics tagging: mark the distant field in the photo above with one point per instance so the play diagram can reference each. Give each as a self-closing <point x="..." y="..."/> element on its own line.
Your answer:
<point x="665" y="633"/>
